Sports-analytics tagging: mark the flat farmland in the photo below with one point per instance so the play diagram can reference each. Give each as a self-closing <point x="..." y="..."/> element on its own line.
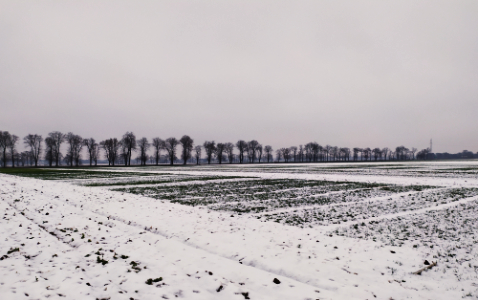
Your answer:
<point x="272" y="231"/>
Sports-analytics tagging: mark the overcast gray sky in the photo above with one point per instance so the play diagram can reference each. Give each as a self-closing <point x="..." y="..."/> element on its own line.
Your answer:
<point x="344" y="73"/>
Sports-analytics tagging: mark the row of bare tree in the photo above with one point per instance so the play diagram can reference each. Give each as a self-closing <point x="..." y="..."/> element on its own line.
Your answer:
<point x="119" y="151"/>
<point x="8" y="148"/>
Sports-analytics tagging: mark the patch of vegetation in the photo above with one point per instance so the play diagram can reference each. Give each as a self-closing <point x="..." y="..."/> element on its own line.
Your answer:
<point x="150" y="281"/>
<point x="70" y="173"/>
<point x="12" y="250"/>
<point x="362" y="210"/>
<point x="262" y="195"/>
<point x="100" y="260"/>
<point x="135" y="266"/>
<point x="156" y="181"/>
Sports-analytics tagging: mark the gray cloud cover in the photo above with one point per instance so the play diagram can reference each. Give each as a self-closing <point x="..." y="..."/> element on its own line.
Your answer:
<point x="345" y="73"/>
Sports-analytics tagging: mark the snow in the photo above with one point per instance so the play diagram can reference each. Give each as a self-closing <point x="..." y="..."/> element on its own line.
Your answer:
<point x="201" y="253"/>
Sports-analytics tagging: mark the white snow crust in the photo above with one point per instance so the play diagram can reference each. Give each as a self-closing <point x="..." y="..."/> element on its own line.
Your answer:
<point x="64" y="232"/>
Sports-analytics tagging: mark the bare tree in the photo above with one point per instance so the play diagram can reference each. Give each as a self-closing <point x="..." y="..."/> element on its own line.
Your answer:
<point x="401" y="152"/>
<point x="424" y="154"/>
<point x="398" y="152"/>
<point x="24" y="158"/>
<point x="356" y="152"/>
<point x="129" y="145"/>
<point x="105" y="145"/>
<point x="293" y="151"/>
<point x="341" y="154"/>
<point x="220" y="152"/>
<point x="97" y="154"/>
<point x="111" y="150"/>
<point x="301" y="153"/>
<point x="123" y="153"/>
<point x="413" y="152"/>
<point x="285" y="154"/>
<point x="278" y="155"/>
<point x="322" y="155"/>
<point x="50" y="150"/>
<point x="143" y="145"/>
<point x="18" y="157"/>
<point x="241" y="146"/>
<point x="12" y="147"/>
<point x="376" y="153"/>
<point x="406" y="153"/>
<point x="327" y="151"/>
<point x="315" y="149"/>
<point x="210" y="148"/>
<point x="229" y="149"/>
<point x="251" y="150"/>
<point x="91" y="147"/>
<point x="367" y="153"/>
<point x="75" y="144"/>
<point x="187" y="144"/>
<point x="308" y="151"/>
<point x="58" y="139"/>
<point x="334" y="151"/>
<point x="268" y="150"/>
<point x="259" y="151"/>
<point x="385" y="152"/>
<point x="198" y="150"/>
<point x="346" y="153"/>
<point x="4" y="140"/>
<point x="34" y="142"/>
<point x="170" y="145"/>
<point x="158" y="144"/>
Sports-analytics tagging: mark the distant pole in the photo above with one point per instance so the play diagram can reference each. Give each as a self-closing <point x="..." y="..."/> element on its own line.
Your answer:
<point x="431" y="144"/>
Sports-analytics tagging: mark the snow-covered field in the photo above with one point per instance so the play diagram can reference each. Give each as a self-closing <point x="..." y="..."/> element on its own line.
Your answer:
<point x="299" y="231"/>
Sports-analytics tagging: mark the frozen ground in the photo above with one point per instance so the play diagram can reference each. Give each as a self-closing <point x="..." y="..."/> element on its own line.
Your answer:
<point x="335" y="231"/>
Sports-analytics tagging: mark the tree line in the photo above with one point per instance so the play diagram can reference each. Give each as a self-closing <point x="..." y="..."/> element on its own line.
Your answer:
<point x="120" y="151"/>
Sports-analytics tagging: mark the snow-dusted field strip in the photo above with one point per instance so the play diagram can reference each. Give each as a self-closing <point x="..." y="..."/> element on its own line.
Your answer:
<point x="334" y="193"/>
<point x="467" y="169"/>
<point x="248" y="192"/>
<point x="287" y="209"/>
<point x="178" y="183"/>
<point x="370" y="200"/>
<point x="120" y="179"/>
<point x="449" y="182"/>
<point x="293" y="203"/>
<point x="403" y="213"/>
<point x="364" y="210"/>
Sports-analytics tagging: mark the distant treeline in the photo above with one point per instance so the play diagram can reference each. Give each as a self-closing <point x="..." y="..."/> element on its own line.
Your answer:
<point x="174" y="151"/>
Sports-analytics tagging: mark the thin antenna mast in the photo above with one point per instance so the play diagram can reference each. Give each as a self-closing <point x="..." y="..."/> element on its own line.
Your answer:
<point x="431" y="146"/>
